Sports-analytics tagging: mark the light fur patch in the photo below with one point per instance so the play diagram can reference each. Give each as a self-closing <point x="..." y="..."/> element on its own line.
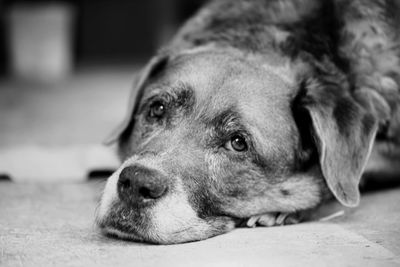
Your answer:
<point x="173" y="217"/>
<point x="282" y="70"/>
<point x="110" y="192"/>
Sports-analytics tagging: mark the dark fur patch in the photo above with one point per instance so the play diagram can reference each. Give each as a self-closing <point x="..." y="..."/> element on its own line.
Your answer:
<point x="179" y="96"/>
<point x="306" y="153"/>
<point x="185" y="98"/>
<point x="199" y="189"/>
<point x="316" y="34"/>
<point x="244" y="31"/>
<point x="345" y="113"/>
<point x="285" y="192"/>
<point x="383" y="130"/>
<point x="158" y="68"/>
<point x="368" y="122"/>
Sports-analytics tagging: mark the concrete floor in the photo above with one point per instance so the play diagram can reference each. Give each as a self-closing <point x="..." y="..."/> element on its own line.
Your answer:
<point x="52" y="225"/>
<point x="50" y="140"/>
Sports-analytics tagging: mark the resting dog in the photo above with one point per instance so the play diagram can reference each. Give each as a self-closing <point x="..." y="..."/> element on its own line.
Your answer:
<point x="256" y="111"/>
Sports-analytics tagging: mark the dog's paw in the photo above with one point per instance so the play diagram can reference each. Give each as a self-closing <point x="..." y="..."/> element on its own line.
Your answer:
<point x="273" y="219"/>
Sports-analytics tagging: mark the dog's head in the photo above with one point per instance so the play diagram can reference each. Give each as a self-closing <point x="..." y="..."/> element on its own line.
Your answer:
<point x="213" y="136"/>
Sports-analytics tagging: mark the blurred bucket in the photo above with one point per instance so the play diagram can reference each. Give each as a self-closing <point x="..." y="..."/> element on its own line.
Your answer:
<point x="40" y="41"/>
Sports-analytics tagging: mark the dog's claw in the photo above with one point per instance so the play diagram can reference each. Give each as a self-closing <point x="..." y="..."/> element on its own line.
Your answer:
<point x="273" y="219"/>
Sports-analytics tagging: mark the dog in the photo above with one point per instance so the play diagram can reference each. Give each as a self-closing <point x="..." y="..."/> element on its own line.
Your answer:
<point x="257" y="112"/>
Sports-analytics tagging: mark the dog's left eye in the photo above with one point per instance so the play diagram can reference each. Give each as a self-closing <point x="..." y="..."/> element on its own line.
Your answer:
<point x="157" y="110"/>
<point x="237" y="143"/>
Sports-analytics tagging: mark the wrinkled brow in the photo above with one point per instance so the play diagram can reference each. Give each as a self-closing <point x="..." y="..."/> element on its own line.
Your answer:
<point x="226" y="123"/>
<point x="178" y="96"/>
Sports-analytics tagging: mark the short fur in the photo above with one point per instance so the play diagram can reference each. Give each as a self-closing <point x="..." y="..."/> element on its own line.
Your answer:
<point x="308" y="84"/>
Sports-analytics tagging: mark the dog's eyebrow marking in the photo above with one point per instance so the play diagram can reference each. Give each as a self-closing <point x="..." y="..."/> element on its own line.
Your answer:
<point x="223" y="125"/>
<point x="227" y="121"/>
<point x="184" y="96"/>
<point x="180" y="95"/>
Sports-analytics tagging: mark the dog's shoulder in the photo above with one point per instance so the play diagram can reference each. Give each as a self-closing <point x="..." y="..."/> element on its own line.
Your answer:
<point x="249" y="25"/>
<point x="370" y="42"/>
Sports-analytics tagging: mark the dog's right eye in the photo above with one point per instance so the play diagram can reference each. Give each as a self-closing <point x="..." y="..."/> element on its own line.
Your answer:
<point x="237" y="143"/>
<point x="157" y="110"/>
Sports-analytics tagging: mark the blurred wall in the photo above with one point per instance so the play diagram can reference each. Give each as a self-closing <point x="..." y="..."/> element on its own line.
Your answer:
<point x="3" y="58"/>
<point x="126" y="30"/>
<point x="113" y="31"/>
<point x="121" y="30"/>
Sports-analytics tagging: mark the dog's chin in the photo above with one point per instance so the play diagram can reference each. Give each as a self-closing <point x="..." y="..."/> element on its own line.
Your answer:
<point x="150" y="227"/>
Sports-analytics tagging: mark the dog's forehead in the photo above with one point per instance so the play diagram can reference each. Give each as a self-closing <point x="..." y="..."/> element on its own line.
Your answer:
<point x="259" y="90"/>
<point x="223" y="77"/>
<point x="221" y="73"/>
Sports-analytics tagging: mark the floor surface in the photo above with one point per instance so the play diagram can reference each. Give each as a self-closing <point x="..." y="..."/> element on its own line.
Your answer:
<point x="53" y="225"/>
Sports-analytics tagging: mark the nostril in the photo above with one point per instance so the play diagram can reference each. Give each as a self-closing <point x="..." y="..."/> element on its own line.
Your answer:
<point x="125" y="180"/>
<point x="153" y="192"/>
<point x="124" y="183"/>
<point x="145" y="192"/>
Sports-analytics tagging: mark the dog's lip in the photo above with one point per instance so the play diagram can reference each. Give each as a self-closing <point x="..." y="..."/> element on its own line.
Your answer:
<point x="130" y="231"/>
<point x="114" y="232"/>
<point x="135" y="235"/>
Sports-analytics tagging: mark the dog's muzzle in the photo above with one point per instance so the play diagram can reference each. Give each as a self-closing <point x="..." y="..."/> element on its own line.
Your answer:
<point x="142" y="203"/>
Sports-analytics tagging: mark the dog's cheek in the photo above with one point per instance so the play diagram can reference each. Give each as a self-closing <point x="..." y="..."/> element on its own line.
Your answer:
<point x="231" y="182"/>
<point x="244" y="193"/>
<point x="235" y="179"/>
<point x="298" y="192"/>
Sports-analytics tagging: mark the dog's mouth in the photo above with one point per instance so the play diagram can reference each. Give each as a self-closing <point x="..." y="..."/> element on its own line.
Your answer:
<point x="125" y="223"/>
<point x="164" y="223"/>
<point x="115" y="233"/>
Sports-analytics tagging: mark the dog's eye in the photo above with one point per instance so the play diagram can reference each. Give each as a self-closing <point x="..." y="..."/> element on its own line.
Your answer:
<point x="157" y="110"/>
<point x="237" y="143"/>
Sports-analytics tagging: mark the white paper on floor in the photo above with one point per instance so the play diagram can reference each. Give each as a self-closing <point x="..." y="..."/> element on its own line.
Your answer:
<point x="53" y="164"/>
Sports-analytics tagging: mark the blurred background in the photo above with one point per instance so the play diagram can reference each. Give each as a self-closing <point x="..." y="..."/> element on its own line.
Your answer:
<point x="65" y="73"/>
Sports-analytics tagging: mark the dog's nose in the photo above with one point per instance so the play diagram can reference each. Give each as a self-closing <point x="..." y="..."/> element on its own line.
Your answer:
<point x="138" y="184"/>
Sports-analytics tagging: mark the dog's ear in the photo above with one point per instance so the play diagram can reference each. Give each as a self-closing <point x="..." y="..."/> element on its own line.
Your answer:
<point x="156" y="65"/>
<point x="342" y="131"/>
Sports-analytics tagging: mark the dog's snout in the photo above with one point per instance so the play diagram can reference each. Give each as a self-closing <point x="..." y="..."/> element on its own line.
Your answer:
<point x="138" y="184"/>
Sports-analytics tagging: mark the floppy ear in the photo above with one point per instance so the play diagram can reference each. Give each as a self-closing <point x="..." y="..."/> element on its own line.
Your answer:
<point x="343" y="133"/>
<point x="153" y="68"/>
